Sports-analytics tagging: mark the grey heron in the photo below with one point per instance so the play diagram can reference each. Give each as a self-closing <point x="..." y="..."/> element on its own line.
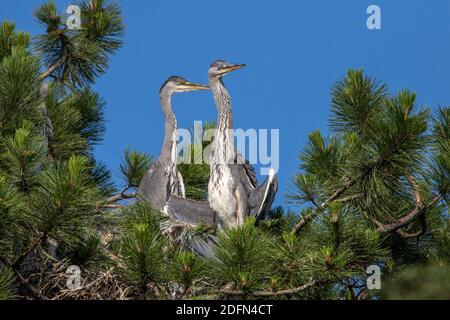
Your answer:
<point x="232" y="191"/>
<point x="163" y="178"/>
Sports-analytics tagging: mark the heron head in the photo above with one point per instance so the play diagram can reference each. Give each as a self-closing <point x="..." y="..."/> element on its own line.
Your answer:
<point x="220" y="68"/>
<point x="178" y="84"/>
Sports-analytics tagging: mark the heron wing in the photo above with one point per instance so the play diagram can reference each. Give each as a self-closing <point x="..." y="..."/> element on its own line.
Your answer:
<point x="260" y="200"/>
<point x="154" y="186"/>
<point x="181" y="187"/>
<point x="205" y="246"/>
<point x="246" y="173"/>
<point x="190" y="211"/>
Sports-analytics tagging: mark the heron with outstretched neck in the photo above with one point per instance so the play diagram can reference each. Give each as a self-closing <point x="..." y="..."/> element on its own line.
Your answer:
<point x="163" y="179"/>
<point x="232" y="190"/>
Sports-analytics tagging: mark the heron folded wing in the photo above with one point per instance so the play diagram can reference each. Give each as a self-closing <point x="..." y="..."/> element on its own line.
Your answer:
<point x="205" y="247"/>
<point x="260" y="200"/>
<point x="190" y="211"/>
<point x="154" y="186"/>
<point x="247" y="172"/>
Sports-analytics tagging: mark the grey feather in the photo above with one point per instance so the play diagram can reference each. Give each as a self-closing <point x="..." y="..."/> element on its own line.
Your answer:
<point x="205" y="247"/>
<point x="247" y="172"/>
<point x="194" y="212"/>
<point x="261" y="199"/>
<point x="154" y="186"/>
<point x="190" y="211"/>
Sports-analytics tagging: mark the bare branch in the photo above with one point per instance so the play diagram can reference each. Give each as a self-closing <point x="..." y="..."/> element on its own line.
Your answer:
<point x="349" y="198"/>
<point x="305" y="219"/>
<point x="269" y="293"/>
<point x="110" y="203"/>
<point x="414" y="214"/>
<point x="417" y="212"/>
<point x="121" y="196"/>
<point x="113" y="206"/>
<point x="299" y="226"/>
<point x="60" y="62"/>
<point x="418" y="198"/>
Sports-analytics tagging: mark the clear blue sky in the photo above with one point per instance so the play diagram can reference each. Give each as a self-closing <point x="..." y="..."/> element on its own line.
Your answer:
<point x="294" y="50"/>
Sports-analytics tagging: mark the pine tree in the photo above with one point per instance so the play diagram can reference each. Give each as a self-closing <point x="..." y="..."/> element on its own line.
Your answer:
<point x="51" y="187"/>
<point x="382" y="176"/>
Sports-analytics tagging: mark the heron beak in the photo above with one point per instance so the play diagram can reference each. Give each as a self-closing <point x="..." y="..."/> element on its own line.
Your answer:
<point x="188" y="86"/>
<point x="231" y="68"/>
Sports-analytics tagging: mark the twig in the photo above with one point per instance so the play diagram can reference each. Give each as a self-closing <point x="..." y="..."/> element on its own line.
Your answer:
<point x="269" y="293"/>
<point x="113" y="206"/>
<point x="299" y="226"/>
<point x="121" y="196"/>
<point x="349" y="198"/>
<point x="403" y="221"/>
<point x="305" y="219"/>
<point x="110" y="202"/>
<point x="49" y="72"/>
<point x="419" y="203"/>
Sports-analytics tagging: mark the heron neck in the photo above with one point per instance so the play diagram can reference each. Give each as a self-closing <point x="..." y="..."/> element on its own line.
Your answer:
<point x="223" y="103"/>
<point x="223" y="144"/>
<point x="169" y="148"/>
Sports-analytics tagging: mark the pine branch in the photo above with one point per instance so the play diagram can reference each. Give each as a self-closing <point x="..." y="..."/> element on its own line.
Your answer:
<point x="403" y="221"/>
<point x="113" y="206"/>
<point x="303" y="222"/>
<point x="36" y="293"/>
<point x="60" y="62"/>
<point x="336" y="230"/>
<point x="299" y="226"/>
<point x="269" y="293"/>
<point x="423" y="220"/>
<point x="110" y="203"/>
<point x="121" y="196"/>
<point x="418" y="198"/>
<point x="349" y="198"/>
<point x="421" y="232"/>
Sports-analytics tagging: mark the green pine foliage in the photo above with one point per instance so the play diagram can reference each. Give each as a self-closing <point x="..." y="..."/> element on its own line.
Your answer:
<point x="143" y="248"/>
<point x="80" y="56"/>
<point x="7" y="286"/>
<point x="9" y="38"/>
<point x="77" y="122"/>
<point x="196" y="173"/>
<point x="134" y="167"/>
<point x="63" y="205"/>
<point x="419" y="282"/>
<point x="23" y="154"/>
<point x="52" y="190"/>
<point x="185" y="269"/>
<point x="19" y="90"/>
<point x="243" y="258"/>
<point x="9" y="213"/>
<point x="375" y="191"/>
